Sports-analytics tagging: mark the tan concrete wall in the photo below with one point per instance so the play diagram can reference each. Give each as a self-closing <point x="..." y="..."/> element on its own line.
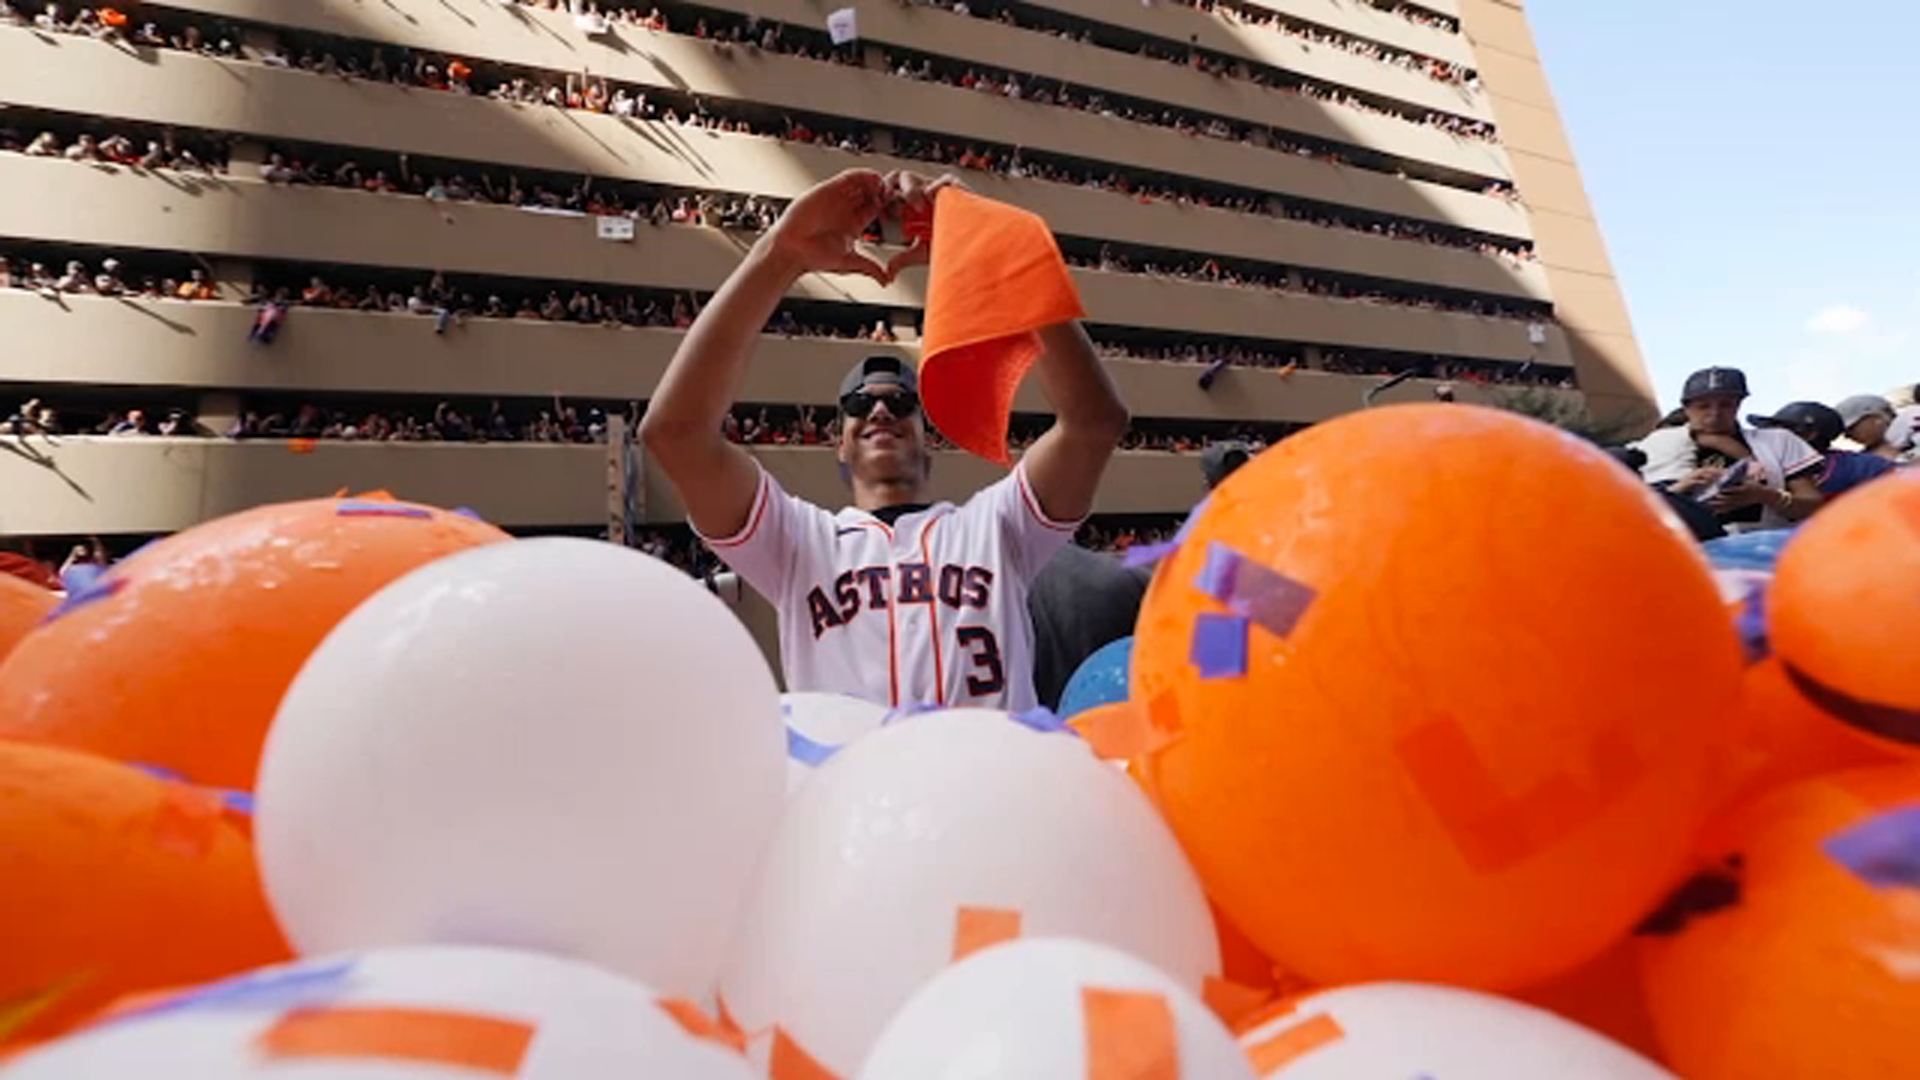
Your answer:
<point x="52" y="199"/>
<point x="1587" y="298"/>
<point x="163" y="344"/>
<point x="109" y="486"/>
<point x="1267" y="46"/>
<point x="82" y="76"/>
<point x="548" y="40"/>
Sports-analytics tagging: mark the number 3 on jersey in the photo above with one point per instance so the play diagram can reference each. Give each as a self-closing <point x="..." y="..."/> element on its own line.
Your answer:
<point x="990" y="675"/>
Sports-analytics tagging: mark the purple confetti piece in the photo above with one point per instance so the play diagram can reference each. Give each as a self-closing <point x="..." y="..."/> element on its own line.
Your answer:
<point x="273" y="988"/>
<point x="470" y="513"/>
<point x="1220" y="646"/>
<point x="1271" y="599"/>
<point x="363" y="508"/>
<point x="1043" y="720"/>
<point x="1147" y="554"/>
<point x="806" y="751"/>
<point x="240" y="802"/>
<point x="160" y="772"/>
<point x="1752" y="625"/>
<point x="92" y="592"/>
<point x="902" y="712"/>
<point x="1883" y="851"/>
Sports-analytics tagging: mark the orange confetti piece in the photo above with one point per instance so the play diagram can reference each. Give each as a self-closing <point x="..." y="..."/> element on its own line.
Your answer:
<point x="302" y="446"/>
<point x="1494" y="831"/>
<point x="487" y="1044"/>
<point x="789" y="1061"/>
<point x="976" y="928"/>
<point x="1232" y="1002"/>
<point x="1130" y="1035"/>
<point x="695" y="1022"/>
<point x="1294" y="1043"/>
<point x="187" y="819"/>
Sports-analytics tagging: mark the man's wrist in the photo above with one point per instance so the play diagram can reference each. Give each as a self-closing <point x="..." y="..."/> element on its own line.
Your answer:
<point x="767" y="255"/>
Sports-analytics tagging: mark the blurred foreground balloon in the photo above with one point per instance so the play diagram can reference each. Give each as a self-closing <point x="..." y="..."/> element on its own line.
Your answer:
<point x="422" y="1013"/>
<point x="113" y="881"/>
<point x="1410" y="1030"/>
<point x="820" y="726"/>
<point x="937" y="836"/>
<point x="1789" y="956"/>
<point x="1432" y="692"/>
<point x="23" y="605"/>
<point x="178" y="655"/>
<point x="1835" y="611"/>
<point x="552" y="744"/>
<point x="1054" y="1009"/>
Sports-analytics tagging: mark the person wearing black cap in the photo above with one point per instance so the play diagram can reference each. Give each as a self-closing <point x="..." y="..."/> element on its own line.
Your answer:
<point x="891" y="599"/>
<point x="1751" y="477"/>
<point x="1819" y="425"/>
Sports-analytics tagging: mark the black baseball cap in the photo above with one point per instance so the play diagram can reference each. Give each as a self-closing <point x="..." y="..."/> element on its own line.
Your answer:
<point x="1822" y="421"/>
<point x="1714" y="381"/>
<point x="880" y="371"/>
<point x="1219" y="460"/>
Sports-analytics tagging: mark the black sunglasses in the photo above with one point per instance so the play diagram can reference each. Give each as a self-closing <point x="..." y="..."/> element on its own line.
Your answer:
<point x="901" y="403"/>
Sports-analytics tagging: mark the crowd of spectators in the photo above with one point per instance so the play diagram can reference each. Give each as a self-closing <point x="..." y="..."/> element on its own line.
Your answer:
<point x="552" y="193"/>
<point x="584" y="91"/>
<point x="113" y="278"/>
<point x="1214" y="63"/>
<point x="1119" y="535"/>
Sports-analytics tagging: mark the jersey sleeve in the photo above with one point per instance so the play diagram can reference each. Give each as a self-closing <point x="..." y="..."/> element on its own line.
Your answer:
<point x="768" y="548"/>
<point x="1797" y="458"/>
<point x="1030" y="536"/>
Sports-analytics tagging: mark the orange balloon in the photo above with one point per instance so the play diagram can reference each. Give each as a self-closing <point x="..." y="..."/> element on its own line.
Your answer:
<point x="116" y="881"/>
<point x="23" y="605"/>
<point x="1434" y="690"/>
<point x="182" y="657"/>
<point x="1604" y="994"/>
<point x="1809" y="971"/>
<point x="1786" y="738"/>
<point x="1833" y="612"/>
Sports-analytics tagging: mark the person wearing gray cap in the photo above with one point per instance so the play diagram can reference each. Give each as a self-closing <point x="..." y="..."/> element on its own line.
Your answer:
<point x="1819" y="426"/>
<point x="891" y="599"/>
<point x="1751" y="477"/>
<point x="1867" y="418"/>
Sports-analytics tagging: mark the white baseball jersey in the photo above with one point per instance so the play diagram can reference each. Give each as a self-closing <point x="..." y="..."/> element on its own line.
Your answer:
<point x="931" y="609"/>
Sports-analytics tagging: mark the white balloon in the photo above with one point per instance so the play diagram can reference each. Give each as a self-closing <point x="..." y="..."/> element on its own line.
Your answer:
<point x="819" y="726"/>
<point x="553" y="744"/>
<point x="583" y="1023"/>
<point x="1017" y="1012"/>
<point x="1410" y="1030"/>
<point x="858" y="897"/>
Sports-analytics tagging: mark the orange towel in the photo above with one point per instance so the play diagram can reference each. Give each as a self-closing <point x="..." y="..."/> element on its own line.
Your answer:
<point x="996" y="278"/>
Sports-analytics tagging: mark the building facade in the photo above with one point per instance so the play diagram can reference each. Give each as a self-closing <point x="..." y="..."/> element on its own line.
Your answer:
<point x="436" y="247"/>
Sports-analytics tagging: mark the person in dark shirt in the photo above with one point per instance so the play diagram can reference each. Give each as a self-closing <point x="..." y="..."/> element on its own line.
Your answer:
<point x="1084" y="600"/>
<point x="1818" y="426"/>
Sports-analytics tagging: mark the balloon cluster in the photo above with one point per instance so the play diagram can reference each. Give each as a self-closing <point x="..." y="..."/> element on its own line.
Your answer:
<point x="1447" y="754"/>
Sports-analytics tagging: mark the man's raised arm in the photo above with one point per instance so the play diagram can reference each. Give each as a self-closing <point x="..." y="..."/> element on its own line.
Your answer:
<point x="1064" y="467"/>
<point x="716" y="479"/>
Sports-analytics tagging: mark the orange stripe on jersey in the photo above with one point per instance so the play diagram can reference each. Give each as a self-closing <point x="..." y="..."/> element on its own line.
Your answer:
<point x="754" y="516"/>
<point x="933" y="611"/>
<point x="1033" y="504"/>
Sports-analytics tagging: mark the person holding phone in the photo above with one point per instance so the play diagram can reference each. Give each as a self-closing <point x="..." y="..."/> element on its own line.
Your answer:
<point x="1752" y="478"/>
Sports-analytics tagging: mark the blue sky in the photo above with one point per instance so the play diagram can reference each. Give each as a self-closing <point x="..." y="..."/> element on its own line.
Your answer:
<point x="1756" y="172"/>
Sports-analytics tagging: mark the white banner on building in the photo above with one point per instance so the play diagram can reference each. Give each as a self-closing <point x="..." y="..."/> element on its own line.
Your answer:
<point x="614" y="228"/>
<point x="843" y="26"/>
<point x="1537" y="333"/>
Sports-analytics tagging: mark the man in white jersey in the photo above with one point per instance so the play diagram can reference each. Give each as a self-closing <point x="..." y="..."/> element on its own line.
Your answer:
<point x="891" y="599"/>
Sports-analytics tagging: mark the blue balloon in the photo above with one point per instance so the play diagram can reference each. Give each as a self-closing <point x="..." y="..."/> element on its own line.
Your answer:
<point x="1101" y="680"/>
<point x="1748" y="551"/>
